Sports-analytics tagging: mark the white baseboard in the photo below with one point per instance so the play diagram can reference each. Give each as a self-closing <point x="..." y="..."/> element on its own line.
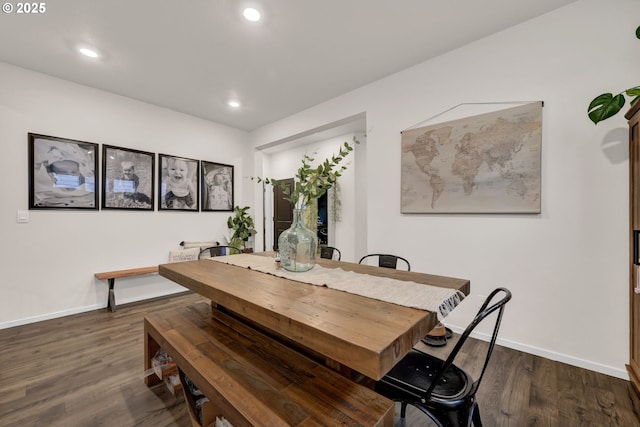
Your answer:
<point x="49" y="316"/>
<point x="558" y="357"/>
<point x="58" y="314"/>
<point x="122" y="301"/>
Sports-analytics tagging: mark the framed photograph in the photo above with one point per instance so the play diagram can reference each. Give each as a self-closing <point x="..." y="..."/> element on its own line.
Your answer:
<point x="216" y="186"/>
<point x="127" y="178"/>
<point x="63" y="173"/>
<point x="178" y="179"/>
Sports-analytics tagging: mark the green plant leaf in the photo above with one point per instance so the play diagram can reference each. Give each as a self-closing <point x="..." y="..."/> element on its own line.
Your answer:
<point x="634" y="91"/>
<point x="604" y="106"/>
<point x="607" y="105"/>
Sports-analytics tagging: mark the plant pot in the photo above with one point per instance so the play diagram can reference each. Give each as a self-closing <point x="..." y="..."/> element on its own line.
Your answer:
<point x="297" y="245"/>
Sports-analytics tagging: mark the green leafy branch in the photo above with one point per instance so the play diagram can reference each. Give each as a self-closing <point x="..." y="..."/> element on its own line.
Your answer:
<point x="312" y="182"/>
<point x="607" y="105"/>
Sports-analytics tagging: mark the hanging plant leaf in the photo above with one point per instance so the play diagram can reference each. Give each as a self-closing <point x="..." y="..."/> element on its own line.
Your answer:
<point x="604" y="106"/>
<point x="607" y="105"/>
<point x="634" y="91"/>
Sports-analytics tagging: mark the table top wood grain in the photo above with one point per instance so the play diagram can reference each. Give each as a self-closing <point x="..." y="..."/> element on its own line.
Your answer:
<point x="364" y="334"/>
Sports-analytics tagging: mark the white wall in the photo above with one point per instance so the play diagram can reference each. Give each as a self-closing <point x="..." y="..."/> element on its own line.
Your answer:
<point x="566" y="267"/>
<point x="284" y="164"/>
<point x="48" y="264"/>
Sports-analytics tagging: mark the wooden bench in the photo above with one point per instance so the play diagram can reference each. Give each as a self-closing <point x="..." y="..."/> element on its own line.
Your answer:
<point x="253" y="380"/>
<point x="111" y="277"/>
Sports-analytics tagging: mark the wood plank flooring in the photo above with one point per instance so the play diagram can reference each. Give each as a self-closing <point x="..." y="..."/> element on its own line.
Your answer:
<point x="86" y="370"/>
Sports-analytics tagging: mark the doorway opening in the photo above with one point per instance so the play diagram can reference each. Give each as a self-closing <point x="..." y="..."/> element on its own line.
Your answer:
<point x="341" y="212"/>
<point x="282" y="210"/>
<point x="323" y="220"/>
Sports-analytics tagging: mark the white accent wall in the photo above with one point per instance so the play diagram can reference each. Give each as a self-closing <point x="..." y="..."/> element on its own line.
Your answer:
<point x="567" y="267"/>
<point x="48" y="264"/>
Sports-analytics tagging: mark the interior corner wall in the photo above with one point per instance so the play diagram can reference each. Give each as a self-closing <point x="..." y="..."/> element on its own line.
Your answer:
<point x="48" y="264"/>
<point x="567" y="267"/>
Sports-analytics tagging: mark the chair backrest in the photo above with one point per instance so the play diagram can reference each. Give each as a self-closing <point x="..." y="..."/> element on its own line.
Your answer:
<point x="387" y="260"/>
<point x="484" y="311"/>
<point x="219" y="250"/>
<point x="329" y="252"/>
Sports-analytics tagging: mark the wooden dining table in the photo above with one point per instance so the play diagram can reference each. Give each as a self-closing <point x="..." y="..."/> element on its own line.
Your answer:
<point x="352" y="333"/>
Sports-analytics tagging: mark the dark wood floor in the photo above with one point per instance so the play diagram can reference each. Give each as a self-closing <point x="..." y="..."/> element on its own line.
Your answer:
<point x="86" y="370"/>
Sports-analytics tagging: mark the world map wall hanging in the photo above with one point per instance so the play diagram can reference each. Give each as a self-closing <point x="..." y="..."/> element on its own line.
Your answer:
<point x="484" y="163"/>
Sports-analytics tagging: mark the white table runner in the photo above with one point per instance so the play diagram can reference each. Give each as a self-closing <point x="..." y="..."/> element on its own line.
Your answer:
<point x="405" y="293"/>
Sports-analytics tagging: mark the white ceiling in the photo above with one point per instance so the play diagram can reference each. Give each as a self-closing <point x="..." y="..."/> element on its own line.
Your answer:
<point x="192" y="56"/>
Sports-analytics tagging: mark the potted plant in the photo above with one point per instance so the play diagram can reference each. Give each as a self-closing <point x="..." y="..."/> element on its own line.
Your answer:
<point x="243" y="227"/>
<point x="607" y="105"/>
<point x="297" y="245"/>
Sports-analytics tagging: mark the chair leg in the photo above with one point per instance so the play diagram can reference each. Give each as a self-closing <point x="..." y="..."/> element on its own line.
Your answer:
<point x="476" y="416"/>
<point x="403" y="408"/>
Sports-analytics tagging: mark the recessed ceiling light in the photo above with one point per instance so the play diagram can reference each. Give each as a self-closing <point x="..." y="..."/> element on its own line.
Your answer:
<point x="233" y="104"/>
<point x="88" y="52"/>
<point x="251" y="14"/>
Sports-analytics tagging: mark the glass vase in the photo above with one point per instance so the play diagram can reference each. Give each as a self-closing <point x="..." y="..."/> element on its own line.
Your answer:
<point x="297" y="245"/>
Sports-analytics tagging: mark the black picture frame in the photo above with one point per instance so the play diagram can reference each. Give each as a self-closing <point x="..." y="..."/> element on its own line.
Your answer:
<point x="127" y="178"/>
<point x="216" y="186"/>
<point x="178" y="183"/>
<point x="63" y="173"/>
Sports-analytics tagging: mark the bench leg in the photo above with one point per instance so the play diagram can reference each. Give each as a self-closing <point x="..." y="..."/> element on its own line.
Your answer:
<point x="151" y="347"/>
<point x="111" y="301"/>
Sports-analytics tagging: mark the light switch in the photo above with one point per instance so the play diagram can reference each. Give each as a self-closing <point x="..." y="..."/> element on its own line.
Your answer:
<point x="22" y="217"/>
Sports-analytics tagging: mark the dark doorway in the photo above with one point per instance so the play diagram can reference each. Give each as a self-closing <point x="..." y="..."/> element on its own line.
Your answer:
<point x="323" y="220"/>
<point x="282" y="210"/>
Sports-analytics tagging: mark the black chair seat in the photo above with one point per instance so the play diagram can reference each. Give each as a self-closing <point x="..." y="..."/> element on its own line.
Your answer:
<point x="415" y="374"/>
<point x="439" y="388"/>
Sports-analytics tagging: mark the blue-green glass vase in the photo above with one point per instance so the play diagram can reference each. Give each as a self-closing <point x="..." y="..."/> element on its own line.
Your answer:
<point x="297" y="245"/>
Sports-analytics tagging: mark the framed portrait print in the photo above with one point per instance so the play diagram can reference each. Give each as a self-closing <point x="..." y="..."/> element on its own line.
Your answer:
<point x="127" y="178"/>
<point x="178" y="179"/>
<point x="63" y="173"/>
<point x="216" y="186"/>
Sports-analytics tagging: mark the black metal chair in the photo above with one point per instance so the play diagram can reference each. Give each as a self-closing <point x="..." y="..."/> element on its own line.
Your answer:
<point x="444" y="392"/>
<point x="387" y="261"/>
<point x="219" y="250"/>
<point x="329" y="252"/>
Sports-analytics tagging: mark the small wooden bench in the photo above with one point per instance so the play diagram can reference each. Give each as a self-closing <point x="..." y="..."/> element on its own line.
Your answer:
<point x="111" y="277"/>
<point x="253" y="380"/>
